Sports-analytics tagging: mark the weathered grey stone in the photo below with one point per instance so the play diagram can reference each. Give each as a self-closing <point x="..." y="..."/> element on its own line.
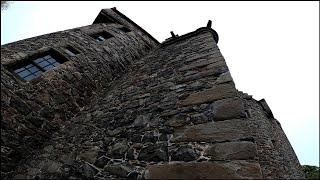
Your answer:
<point x="20" y="176"/>
<point x="232" y="150"/>
<point x="130" y="154"/>
<point x="217" y="64"/>
<point x="205" y="170"/>
<point x="36" y="121"/>
<point x="51" y="166"/>
<point x="118" y="150"/>
<point x="179" y="86"/>
<point x="114" y="132"/>
<point x="97" y="113"/>
<point x="198" y="63"/>
<point x="32" y="172"/>
<point x="231" y="108"/>
<point x="133" y="175"/>
<point x="213" y="132"/>
<point x="185" y="153"/>
<point x="204" y="73"/>
<point x="141" y="120"/>
<point x="266" y="108"/>
<point x="209" y="95"/>
<point x="90" y="155"/>
<point x="70" y="157"/>
<point x="119" y="170"/>
<point x="198" y="118"/>
<point x="223" y="78"/>
<point x="154" y="152"/>
<point x="177" y="121"/>
<point x="163" y="137"/>
<point x="149" y="137"/>
<point x="48" y="148"/>
<point x="88" y="171"/>
<point x="101" y="162"/>
<point x="196" y="85"/>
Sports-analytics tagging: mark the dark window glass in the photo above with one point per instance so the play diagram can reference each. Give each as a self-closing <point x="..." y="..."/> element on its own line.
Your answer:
<point x="38" y="60"/>
<point x="124" y="29"/>
<point x="24" y="73"/>
<point x="28" y="72"/>
<point x="71" y="51"/>
<point x="28" y="78"/>
<point x="35" y="67"/>
<point x="47" y="57"/>
<point x="47" y="62"/>
<point x="51" y="60"/>
<point x="19" y="70"/>
<point x="102" y="36"/>
<point x="43" y="63"/>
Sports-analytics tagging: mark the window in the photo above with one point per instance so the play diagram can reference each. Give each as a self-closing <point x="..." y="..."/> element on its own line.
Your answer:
<point x="102" y="36"/>
<point x="124" y="29"/>
<point x="34" y="67"/>
<point x="28" y="72"/>
<point x="46" y="62"/>
<point x="71" y="51"/>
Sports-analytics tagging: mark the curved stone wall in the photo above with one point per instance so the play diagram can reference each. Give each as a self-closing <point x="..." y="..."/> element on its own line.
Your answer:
<point x="32" y="111"/>
<point x="175" y="114"/>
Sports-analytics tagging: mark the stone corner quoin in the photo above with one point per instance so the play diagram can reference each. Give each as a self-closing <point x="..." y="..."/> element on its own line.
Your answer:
<point x="108" y="101"/>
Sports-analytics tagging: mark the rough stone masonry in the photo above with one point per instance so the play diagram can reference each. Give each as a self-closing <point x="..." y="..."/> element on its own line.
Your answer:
<point x="119" y="104"/>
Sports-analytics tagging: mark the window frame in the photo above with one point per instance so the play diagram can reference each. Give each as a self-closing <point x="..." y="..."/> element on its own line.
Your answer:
<point x="71" y="51"/>
<point x="97" y="35"/>
<point x="29" y="60"/>
<point x="125" y="29"/>
<point x="24" y="68"/>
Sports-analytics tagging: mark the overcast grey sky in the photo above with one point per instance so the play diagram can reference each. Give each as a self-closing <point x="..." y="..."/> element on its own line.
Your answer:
<point x="271" y="48"/>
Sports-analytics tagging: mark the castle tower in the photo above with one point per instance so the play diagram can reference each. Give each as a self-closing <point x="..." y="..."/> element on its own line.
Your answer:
<point x="108" y="101"/>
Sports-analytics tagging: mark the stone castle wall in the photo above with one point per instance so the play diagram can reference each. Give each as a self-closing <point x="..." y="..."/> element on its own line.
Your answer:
<point x="32" y="111"/>
<point x="132" y="108"/>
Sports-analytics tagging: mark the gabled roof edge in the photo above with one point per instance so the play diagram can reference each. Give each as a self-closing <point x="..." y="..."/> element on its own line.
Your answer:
<point x="130" y="21"/>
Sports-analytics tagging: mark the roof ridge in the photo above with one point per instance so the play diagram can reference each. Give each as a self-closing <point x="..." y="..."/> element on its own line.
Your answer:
<point x="190" y="34"/>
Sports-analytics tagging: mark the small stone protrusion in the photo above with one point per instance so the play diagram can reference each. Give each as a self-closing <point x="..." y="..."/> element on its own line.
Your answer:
<point x="209" y="24"/>
<point x="172" y="34"/>
<point x="266" y="108"/>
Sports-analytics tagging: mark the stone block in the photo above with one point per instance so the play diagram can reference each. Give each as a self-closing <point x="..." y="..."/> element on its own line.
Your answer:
<point x="219" y="63"/>
<point x="217" y="71"/>
<point x="209" y="95"/>
<point x="266" y="108"/>
<point x="242" y="150"/>
<point x="90" y="155"/>
<point x="154" y="152"/>
<point x="119" y="170"/>
<point x="205" y="170"/>
<point x="227" y="130"/>
<point x="118" y="150"/>
<point x="223" y="78"/>
<point x="198" y="63"/>
<point x="102" y="161"/>
<point x="231" y="108"/>
<point x="177" y="120"/>
<point x="185" y="153"/>
<point x="142" y="120"/>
